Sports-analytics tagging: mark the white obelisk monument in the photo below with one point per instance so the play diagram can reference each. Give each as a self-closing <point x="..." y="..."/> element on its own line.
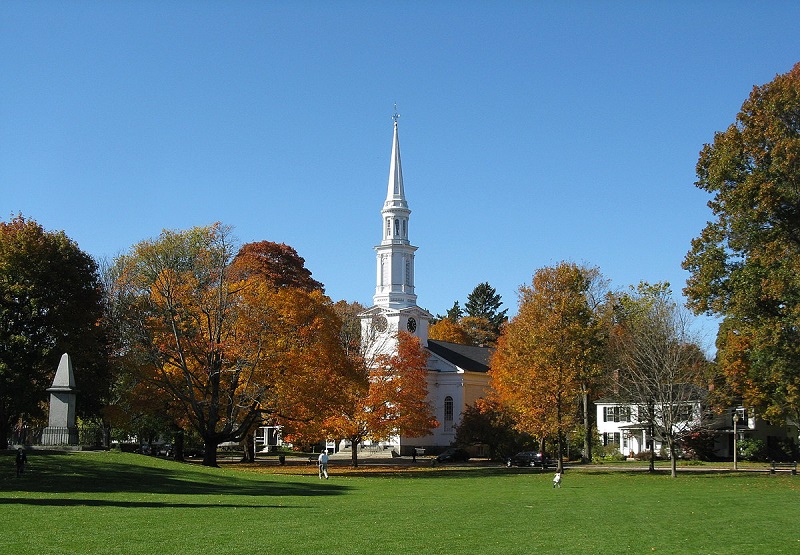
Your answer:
<point x="61" y="428"/>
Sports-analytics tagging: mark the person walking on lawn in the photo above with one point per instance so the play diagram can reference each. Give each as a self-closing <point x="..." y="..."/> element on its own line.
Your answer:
<point x="323" y="464"/>
<point x="22" y="459"/>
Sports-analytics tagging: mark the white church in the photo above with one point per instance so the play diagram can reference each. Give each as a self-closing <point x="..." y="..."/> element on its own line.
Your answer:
<point x="457" y="374"/>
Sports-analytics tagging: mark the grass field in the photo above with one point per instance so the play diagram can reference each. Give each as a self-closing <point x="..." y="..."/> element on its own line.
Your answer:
<point x="110" y="502"/>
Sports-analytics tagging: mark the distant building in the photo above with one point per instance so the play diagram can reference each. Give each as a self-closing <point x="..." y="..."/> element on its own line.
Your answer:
<point x="624" y="426"/>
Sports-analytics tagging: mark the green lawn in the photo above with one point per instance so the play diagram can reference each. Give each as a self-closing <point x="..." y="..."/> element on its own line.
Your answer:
<point x="109" y="502"/>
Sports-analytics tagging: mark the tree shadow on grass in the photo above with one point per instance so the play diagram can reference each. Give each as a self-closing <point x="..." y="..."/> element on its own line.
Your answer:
<point x="448" y="472"/>
<point x="71" y="502"/>
<point x="73" y="473"/>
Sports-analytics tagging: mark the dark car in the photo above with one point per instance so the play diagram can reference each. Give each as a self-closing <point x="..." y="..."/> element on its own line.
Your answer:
<point x="453" y="454"/>
<point x="530" y="458"/>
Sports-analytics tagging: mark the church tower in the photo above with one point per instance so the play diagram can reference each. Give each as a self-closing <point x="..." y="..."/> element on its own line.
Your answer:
<point x="395" y="301"/>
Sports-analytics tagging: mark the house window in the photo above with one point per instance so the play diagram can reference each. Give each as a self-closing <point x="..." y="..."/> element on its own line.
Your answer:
<point x="611" y="438"/>
<point x="616" y="414"/>
<point x="684" y="413"/>
<point x="448" y="413"/>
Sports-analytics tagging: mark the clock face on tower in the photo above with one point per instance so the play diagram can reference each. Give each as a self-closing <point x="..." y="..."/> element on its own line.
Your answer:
<point x="411" y="325"/>
<point x="379" y="323"/>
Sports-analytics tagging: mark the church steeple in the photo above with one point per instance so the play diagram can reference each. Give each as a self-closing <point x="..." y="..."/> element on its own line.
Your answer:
<point x="395" y="254"/>
<point x="395" y="302"/>
<point x="395" y="196"/>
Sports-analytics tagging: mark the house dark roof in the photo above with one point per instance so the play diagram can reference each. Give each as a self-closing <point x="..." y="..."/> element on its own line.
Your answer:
<point x="471" y="359"/>
<point x="680" y="392"/>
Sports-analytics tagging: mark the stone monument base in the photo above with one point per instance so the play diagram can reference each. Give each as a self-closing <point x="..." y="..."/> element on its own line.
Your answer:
<point x="57" y="435"/>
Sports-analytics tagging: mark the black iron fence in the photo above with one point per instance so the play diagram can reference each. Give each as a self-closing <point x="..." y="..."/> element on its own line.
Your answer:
<point x="84" y="435"/>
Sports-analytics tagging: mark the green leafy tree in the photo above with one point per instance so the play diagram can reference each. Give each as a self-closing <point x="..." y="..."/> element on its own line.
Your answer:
<point x="480" y="331"/>
<point x="484" y="302"/>
<point x="745" y="265"/>
<point x="485" y="423"/>
<point x="50" y="304"/>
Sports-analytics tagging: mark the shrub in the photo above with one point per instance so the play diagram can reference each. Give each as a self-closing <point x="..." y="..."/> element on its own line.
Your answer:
<point x="783" y="450"/>
<point x="699" y="444"/>
<point x="752" y="449"/>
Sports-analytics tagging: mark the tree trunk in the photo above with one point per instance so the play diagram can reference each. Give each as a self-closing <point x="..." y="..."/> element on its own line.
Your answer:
<point x="672" y="458"/>
<point x="5" y="424"/>
<point x="106" y="435"/>
<point x="210" y="453"/>
<point x="178" y="446"/>
<point x="354" y="453"/>
<point x="652" y="442"/>
<point x="560" y="465"/>
<point x="587" y="425"/>
<point x="249" y="445"/>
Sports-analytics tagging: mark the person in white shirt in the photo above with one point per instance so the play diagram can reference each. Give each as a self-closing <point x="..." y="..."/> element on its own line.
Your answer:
<point x="323" y="464"/>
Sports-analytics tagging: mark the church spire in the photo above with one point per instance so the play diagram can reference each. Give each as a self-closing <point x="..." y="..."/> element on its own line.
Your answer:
<point x="395" y="196"/>
<point x="395" y="254"/>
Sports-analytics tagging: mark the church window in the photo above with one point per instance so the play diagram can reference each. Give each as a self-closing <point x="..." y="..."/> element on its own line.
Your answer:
<point x="388" y="226"/>
<point x="405" y="232"/>
<point x="397" y="227"/>
<point x="448" y="413"/>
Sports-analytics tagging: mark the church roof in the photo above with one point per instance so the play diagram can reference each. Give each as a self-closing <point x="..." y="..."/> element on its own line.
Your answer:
<point x="467" y="357"/>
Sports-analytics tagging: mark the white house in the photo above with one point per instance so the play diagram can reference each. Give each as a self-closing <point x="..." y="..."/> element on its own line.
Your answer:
<point x="625" y="426"/>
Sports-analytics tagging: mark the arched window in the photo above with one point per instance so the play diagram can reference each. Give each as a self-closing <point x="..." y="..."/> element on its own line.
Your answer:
<point x="448" y="414"/>
<point x="397" y="227"/>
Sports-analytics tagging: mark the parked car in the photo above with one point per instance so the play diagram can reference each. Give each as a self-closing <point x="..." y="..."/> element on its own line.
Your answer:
<point x="530" y="458"/>
<point x="453" y="454"/>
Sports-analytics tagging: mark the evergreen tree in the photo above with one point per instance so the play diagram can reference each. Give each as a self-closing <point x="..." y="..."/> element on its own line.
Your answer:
<point x="484" y="302"/>
<point x="455" y="313"/>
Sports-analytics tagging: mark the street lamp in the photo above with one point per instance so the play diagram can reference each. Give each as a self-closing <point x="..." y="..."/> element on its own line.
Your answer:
<point x="736" y="419"/>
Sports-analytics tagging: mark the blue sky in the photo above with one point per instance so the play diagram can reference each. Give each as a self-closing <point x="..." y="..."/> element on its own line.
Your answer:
<point x="531" y="132"/>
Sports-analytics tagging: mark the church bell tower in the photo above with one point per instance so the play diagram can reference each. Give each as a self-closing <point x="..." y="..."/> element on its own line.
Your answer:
<point x="395" y="301"/>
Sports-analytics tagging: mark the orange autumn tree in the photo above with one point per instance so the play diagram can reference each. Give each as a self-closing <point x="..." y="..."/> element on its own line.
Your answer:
<point x="226" y="347"/>
<point x="392" y="397"/>
<point x="277" y="264"/>
<point x="545" y="352"/>
<point x="278" y="268"/>
<point x="450" y="331"/>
